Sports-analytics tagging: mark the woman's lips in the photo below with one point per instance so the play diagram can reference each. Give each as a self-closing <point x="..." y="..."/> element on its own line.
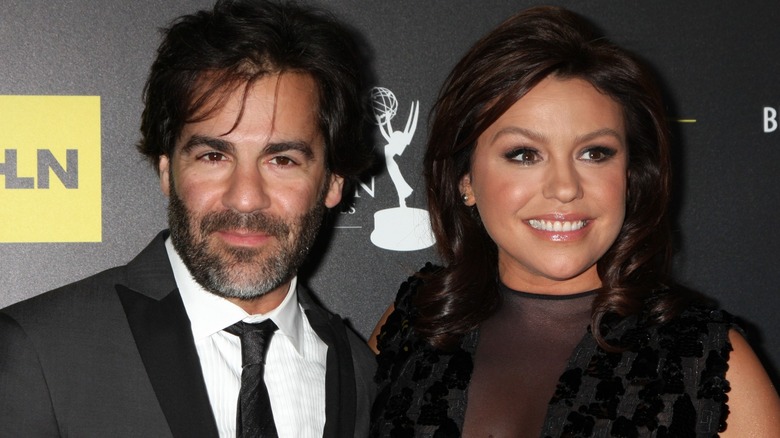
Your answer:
<point x="557" y="225"/>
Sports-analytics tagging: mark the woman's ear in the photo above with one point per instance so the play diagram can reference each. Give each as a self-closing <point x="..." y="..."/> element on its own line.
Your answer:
<point x="466" y="192"/>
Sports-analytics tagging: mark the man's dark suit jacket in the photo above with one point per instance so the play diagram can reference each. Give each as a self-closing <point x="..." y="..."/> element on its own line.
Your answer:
<point x="113" y="356"/>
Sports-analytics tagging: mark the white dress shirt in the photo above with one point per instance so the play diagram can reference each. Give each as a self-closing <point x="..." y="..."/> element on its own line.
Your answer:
<point x="295" y="361"/>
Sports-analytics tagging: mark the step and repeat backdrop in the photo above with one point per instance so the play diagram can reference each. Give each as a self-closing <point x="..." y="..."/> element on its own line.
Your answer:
<point x="75" y="197"/>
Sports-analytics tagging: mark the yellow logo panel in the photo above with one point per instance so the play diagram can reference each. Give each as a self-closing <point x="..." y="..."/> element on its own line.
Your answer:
<point x="50" y="169"/>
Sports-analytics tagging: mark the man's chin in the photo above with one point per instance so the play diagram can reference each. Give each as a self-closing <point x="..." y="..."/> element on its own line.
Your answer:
<point x="244" y="281"/>
<point x="239" y="293"/>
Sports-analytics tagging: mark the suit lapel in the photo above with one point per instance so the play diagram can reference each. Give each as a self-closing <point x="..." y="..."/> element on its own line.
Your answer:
<point x="162" y="333"/>
<point x="340" y="391"/>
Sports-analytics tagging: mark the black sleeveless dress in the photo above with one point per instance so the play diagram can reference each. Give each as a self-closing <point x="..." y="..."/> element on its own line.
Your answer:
<point x="668" y="382"/>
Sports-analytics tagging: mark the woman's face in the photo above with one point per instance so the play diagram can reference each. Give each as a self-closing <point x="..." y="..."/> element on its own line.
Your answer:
<point x="549" y="181"/>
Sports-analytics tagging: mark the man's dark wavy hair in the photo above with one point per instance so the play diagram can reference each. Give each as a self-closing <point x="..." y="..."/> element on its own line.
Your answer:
<point x="240" y="41"/>
<point x="496" y="72"/>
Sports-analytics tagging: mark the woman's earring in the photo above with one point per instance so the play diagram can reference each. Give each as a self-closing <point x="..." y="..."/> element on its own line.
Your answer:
<point x="465" y="197"/>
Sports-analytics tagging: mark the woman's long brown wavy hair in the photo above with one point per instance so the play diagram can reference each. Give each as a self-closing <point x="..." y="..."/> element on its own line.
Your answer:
<point x="499" y="70"/>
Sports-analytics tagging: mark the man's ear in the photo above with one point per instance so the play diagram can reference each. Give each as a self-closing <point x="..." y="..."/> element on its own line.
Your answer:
<point x="466" y="191"/>
<point x="335" y="186"/>
<point x="165" y="174"/>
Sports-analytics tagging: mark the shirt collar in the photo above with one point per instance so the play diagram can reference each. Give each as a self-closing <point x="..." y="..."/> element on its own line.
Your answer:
<point x="209" y="313"/>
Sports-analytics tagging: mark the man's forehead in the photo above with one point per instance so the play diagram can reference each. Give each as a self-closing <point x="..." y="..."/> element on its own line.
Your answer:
<point x="273" y="109"/>
<point x="212" y="89"/>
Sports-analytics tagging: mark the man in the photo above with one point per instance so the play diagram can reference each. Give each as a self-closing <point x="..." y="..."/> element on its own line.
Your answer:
<point x="253" y="120"/>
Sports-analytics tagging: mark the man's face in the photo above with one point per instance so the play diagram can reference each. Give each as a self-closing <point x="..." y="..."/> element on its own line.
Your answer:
<point x="246" y="200"/>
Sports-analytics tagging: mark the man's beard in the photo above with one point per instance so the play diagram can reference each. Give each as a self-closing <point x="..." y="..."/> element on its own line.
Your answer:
<point x="239" y="272"/>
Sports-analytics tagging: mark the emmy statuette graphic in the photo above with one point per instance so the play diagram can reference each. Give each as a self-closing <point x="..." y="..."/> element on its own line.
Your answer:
<point x="401" y="228"/>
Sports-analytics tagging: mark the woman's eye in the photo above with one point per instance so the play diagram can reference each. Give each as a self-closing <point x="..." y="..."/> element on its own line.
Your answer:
<point x="525" y="156"/>
<point x="598" y="154"/>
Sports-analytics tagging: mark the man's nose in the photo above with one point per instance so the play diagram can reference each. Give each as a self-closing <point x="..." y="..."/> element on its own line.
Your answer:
<point x="247" y="190"/>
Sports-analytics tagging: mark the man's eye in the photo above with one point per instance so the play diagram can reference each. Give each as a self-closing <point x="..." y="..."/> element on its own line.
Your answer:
<point x="282" y="161"/>
<point x="213" y="156"/>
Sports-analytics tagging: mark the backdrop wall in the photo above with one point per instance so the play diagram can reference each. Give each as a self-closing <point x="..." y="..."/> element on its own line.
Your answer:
<point x="64" y="218"/>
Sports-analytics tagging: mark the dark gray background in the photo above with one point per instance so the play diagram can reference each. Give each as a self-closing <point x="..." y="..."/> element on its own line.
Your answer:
<point x="719" y="62"/>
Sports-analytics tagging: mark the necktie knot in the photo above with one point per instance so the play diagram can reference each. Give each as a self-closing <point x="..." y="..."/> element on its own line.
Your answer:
<point x="255" y="339"/>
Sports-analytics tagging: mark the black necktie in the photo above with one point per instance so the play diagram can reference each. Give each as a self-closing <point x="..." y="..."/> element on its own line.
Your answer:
<point x="254" y="418"/>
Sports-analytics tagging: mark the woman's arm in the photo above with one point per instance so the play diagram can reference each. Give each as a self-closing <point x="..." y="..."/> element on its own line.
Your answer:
<point x="753" y="402"/>
<point x="373" y="338"/>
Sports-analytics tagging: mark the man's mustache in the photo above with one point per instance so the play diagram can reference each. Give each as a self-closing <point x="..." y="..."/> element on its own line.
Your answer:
<point x="252" y="222"/>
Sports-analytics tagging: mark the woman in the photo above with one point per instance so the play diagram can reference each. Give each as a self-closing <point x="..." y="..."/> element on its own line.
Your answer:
<point x="548" y="181"/>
